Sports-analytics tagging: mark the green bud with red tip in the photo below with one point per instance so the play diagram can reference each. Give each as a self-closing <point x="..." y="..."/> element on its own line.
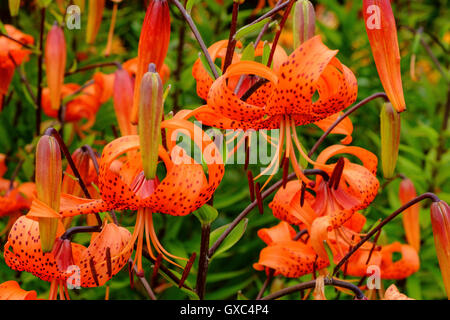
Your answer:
<point x="390" y="139"/>
<point x="48" y="186"/>
<point x="304" y="25"/>
<point x="440" y="222"/>
<point x="151" y="108"/>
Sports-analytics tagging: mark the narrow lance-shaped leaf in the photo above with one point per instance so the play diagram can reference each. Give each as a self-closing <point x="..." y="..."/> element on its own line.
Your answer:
<point x="234" y="236"/>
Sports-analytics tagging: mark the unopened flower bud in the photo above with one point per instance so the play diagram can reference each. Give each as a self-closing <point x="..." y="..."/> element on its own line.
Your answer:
<point x="440" y="222"/>
<point x="382" y="33"/>
<point x="390" y="139"/>
<point x="123" y="101"/>
<point x="95" y="13"/>
<point x="304" y="25"/>
<point x="410" y="217"/>
<point x="48" y="186"/>
<point x="14" y="6"/>
<point x="55" y="63"/>
<point x="151" y="108"/>
<point x="153" y="46"/>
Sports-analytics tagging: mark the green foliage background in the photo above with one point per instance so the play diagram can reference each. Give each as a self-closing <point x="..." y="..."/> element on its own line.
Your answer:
<point x="424" y="155"/>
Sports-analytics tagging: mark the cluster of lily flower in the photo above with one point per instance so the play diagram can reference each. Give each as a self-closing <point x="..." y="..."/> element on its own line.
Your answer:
<point x="248" y="95"/>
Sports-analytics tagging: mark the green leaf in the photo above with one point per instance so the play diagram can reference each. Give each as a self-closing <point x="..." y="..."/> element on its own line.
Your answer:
<point x="207" y="67"/>
<point x="191" y="294"/>
<point x="249" y="52"/>
<point x="206" y="214"/>
<point x="266" y="53"/>
<point x="231" y="239"/>
<point x="242" y="32"/>
<point x="190" y="4"/>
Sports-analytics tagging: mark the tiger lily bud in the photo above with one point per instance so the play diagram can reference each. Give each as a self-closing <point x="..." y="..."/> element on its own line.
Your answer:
<point x="390" y="139"/>
<point x="151" y="108"/>
<point x="382" y="33"/>
<point x="440" y="222"/>
<point x="55" y="62"/>
<point x="123" y="101"/>
<point x="79" y="3"/>
<point x="410" y="217"/>
<point x="14" y="6"/>
<point x="95" y="13"/>
<point x="304" y="25"/>
<point x="153" y="46"/>
<point x="48" y="186"/>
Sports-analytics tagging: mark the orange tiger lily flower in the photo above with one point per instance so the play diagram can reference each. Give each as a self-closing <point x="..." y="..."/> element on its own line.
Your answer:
<point x="123" y="185"/>
<point x="14" y="198"/>
<point x="403" y="268"/>
<point x="83" y="106"/>
<point x="218" y="51"/>
<point x="382" y="33"/>
<point x="12" y="54"/>
<point x="286" y="101"/>
<point x="23" y="252"/>
<point x="356" y="188"/>
<point x="286" y="256"/>
<point x="11" y="290"/>
<point x="132" y="65"/>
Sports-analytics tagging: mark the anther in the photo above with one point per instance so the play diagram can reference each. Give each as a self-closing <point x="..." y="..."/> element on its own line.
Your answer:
<point x="187" y="269"/>
<point x="108" y="261"/>
<point x="251" y="185"/>
<point x="93" y="271"/>
<point x="156" y="269"/>
<point x="259" y="198"/>
<point x="337" y="174"/>
<point x="285" y="171"/>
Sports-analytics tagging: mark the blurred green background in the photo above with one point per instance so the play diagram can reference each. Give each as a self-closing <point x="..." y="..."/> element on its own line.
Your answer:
<point x="424" y="155"/>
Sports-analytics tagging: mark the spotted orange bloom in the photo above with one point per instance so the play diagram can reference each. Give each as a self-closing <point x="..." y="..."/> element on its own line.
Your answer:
<point x="23" y="252"/>
<point x="14" y="198"/>
<point x="11" y="290"/>
<point x="286" y="256"/>
<point x="353" y="187"/>
<point x="286" y="100"/>
<point x="83" y="106"/>
<point x="12" y="54"/>
<point x="123" y="185"/>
